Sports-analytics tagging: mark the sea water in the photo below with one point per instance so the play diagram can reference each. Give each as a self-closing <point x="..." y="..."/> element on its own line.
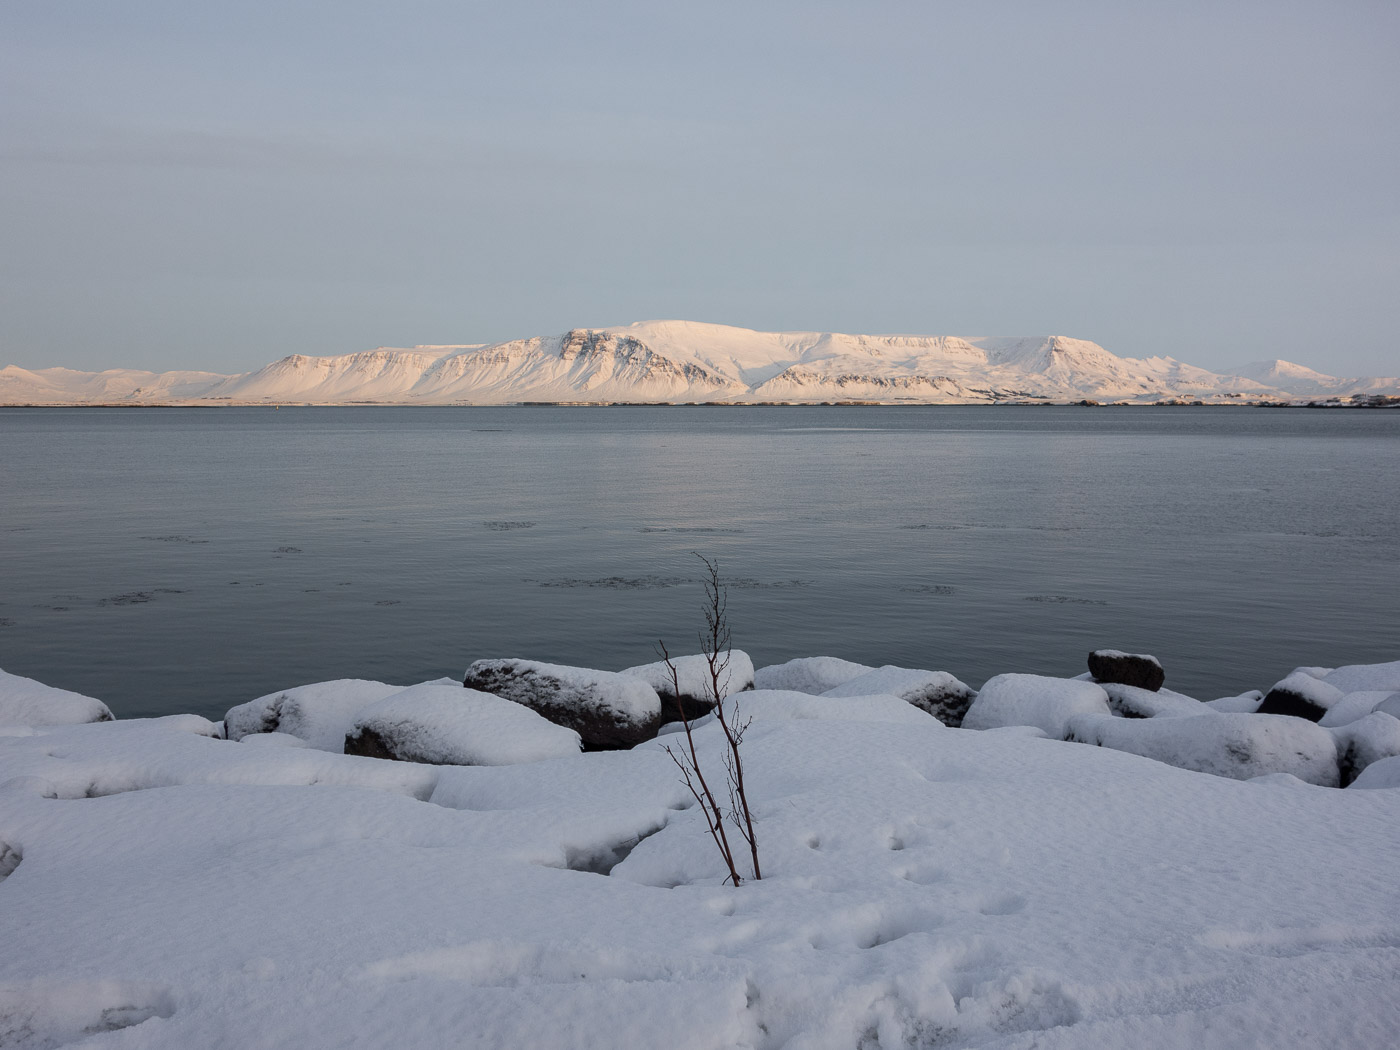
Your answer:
<point x="168" y="559"/>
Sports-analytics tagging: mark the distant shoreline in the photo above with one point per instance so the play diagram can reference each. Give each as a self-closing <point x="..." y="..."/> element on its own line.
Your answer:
<point x="1372" y="402"/>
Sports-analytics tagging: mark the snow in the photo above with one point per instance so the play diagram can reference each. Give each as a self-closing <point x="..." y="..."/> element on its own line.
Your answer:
<point x="321" y="713"/>
<point x="937" y="692"/>
<point x="450" y="725"/>
<point x="1239" y="746"/>
<point x="25" y="702"/>
<point x="1034" y="700"/>
<point x="809" y="674"/>
<point x="924" y="887"/>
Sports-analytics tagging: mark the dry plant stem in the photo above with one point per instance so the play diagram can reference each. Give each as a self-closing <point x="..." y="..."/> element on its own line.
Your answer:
<point x="689" y="765"/>
<point x="717" y="644"/>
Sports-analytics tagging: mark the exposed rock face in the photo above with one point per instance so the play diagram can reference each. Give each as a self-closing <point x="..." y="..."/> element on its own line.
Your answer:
<point x="1137" y="670"/>
<point x="1302" y="696"/>
<point x="608" y="710"/>
<point x="365" y="741"/>
<point x="937" y="692"/>
<point x="696" y="686"/>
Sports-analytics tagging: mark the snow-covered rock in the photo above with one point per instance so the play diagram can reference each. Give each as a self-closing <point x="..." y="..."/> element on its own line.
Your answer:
<point x="1244" y="704"/>
<point x="1353" y="706"/>
<point x="1368" y="739"/>
<point x="607" y="709"/>
<point x="937" y="692"/>
<point x="783" y="705"/>
<point x="735" y="670"/>
<point x="449" y="725"/>
<point x="1134" y="669"/>
<point x="1382" y="774"/>
<point x="1239" y="746"/>
<point x="1129" y="701"/>
<point x="1034" y="700"/>
<point x="320" y="713"/>
<point x="1390" y="705"/>
<point x="1355" y="678"/>
<point x="809" y="674"/>
<point x="25" y="702"/>
<point x="1302" y="695"/>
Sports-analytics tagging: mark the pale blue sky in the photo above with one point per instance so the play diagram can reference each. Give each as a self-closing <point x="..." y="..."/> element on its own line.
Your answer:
<point x="214" y="186"/>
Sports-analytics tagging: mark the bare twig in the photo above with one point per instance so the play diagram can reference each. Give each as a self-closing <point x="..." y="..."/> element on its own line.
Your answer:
<point x="689" y="764"/>
<point x="715" y="642"/>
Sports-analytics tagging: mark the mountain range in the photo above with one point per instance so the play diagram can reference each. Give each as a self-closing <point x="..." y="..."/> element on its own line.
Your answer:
<point x="686" y="361"/>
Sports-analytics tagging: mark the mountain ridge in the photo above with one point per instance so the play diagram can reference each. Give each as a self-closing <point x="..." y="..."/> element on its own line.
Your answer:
<point x="687" y="361"/>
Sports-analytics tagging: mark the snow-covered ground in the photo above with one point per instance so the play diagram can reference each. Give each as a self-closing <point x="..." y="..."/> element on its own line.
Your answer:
<point x="924" y="886"/>
<point x="683" y="361"/>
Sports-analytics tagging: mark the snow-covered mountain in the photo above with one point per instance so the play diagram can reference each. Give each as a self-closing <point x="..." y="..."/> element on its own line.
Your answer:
<point x="680" y="361"/>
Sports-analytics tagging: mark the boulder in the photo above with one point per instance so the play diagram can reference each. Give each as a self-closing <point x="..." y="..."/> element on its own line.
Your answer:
<point x="1245" y="704"/>
<point x="696" y="685"/>
<point x="1354" y="706"/>
<point x="1302" y="696"/>
<point x="1033" y="700"/>
<point x="25" y="702"/>
<point x="448" y="725"/>
<point x="1365" y="741"/>
<point x="1142" y="672"/>
<point x="1382" y="774"/>
<point x="781" y="705"/>
<point x="1357" y="677"/>
<point x="608" y="710"/>
<point x="1238" y="746"/>
<point x="809" y="674"/>
<point x="937" y="692"/>
<point x="1129" y="701"/>
<point x="320" y="713"/>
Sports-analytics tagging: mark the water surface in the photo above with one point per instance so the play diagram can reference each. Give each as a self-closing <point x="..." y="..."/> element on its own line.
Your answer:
<point x="190" y="559"/>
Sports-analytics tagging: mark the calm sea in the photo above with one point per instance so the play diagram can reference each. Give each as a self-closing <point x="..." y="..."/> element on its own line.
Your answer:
<point x="190" y="559"/>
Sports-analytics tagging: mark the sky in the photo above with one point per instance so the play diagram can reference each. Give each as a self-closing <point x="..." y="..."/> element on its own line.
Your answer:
<point x="214" y="186"/>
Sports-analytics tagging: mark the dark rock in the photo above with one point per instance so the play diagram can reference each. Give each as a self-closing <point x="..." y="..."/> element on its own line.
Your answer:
<point x="365" y="741"/>
<point x="1302" y="696"/>
<point x="1142" y="672"/>
<point x="609" y="711"/>
<point x="1287" y="702"/>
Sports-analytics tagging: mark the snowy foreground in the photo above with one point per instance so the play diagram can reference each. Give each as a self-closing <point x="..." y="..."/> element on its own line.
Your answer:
<point x="925" y="886"/>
